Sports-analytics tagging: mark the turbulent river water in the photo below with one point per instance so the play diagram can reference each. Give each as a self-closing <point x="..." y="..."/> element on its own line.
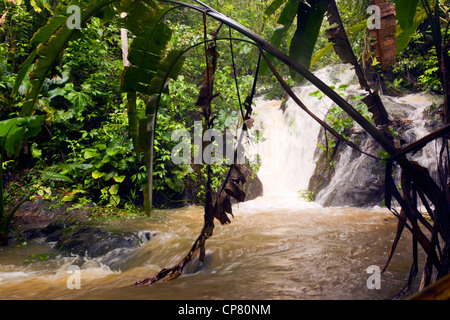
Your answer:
<point x="277" y="247"/>
<point x="273" y="249"/>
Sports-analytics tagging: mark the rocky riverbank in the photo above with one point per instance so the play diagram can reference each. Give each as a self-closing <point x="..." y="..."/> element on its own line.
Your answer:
<point x="73" y="231"/>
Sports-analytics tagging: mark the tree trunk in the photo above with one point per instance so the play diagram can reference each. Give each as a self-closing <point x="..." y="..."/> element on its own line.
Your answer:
<point x="124" y="42"/>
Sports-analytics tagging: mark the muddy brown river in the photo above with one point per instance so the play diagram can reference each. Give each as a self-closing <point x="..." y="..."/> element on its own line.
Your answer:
<point x="273" y="249"/>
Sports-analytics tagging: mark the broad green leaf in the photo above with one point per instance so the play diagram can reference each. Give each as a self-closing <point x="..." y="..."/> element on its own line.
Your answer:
<point x="276" y="40"/>
<point x="52" y="26"/>
<point x="52" y="39"/>
<point x="145" y="54"/>
<point x="289" y="12"/>
<point x="321" y="53"/>
<point x="35" y="151"/>
<point x="68" y="198"/>
<point x="114" y="146"/>
<point x="55" y="176"/>
<point x="177" y="185"/>
<point x="23" y="71"/>
<point x="80" y="100"/>
<point x="114" y="200"/>
<point x="170" y="67"/>
<point x="119" y="179"/>
<point x="274" y="7"/>
<point x="35" y="6"/>
<point x="47" y="55"/>
<point x="32" y="126"/>
<point x="14" y="131"/>
<point x="309" y="21"/>
<point x="114" y="189"/>
<point x="72" y="195"/>
<point x="139" y="14"/>
<point x="285" y="20"/>
<point x="106" y="14"/>
<point x="90" y="153"/>
<point x="405" y="36"/>
<point x="106" y="159"/>
<point x="11" y="134"/>
<point x="112" y="151"/>
<point x="97" y="174"/>
<point x="406" y="11"/>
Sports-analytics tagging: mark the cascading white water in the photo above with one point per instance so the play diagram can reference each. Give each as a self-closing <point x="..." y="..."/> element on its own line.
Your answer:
<point x="291" y="136"/>
<point x="359" y="180"/>
<point x="420" y="125"/>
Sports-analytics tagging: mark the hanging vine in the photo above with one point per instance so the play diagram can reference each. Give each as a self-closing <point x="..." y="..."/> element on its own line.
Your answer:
<point x="232" y="187"/>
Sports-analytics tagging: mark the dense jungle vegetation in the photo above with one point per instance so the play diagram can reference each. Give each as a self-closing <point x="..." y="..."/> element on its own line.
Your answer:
<point x="84" y="147"/>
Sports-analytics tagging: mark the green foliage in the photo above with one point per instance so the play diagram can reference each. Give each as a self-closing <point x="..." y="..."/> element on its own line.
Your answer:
<point x="306" y="195"/>
<point x="418" y="66"/>
<point x="12" y="134"/>
<point x="338" y="119"/>
<point x="407" y="13"/>
<point x="303" y="43"/>
<point x="15" y="130"/>
<point x="85" y="148"/>
<point x="15" y="32"/>
<point x="91" y="141"/>
<point x="101" y="160"/>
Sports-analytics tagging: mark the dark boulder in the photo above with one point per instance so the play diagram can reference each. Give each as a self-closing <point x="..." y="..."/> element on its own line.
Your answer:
<point x="348" y="177"/>
<point x="74" y="234"/>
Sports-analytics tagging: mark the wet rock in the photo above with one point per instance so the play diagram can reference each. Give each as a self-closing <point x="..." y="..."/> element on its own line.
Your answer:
<point x="349" y="178"/>
<point x="94" y="242"/>
<point x="73" y="233"/>
<point x="359" y="183"/>
<point x="38" y="211"/>
<point x="253" y="188"/>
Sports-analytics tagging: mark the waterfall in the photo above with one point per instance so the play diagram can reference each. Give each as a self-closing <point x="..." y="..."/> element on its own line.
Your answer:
<point x="359" y="180"/>
<point x="288" y="157"/>
<point x="420" y="124"/>
<point x="290" y="136"/>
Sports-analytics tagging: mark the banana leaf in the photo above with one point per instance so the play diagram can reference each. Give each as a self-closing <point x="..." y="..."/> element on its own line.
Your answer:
<point x="50" y="42"/>
<point x="145" y="54"/>
<point x="14" y="131"/>
<point x="143" y="136"/>
<point x="404" y="36"/>
<point x="274" y="7"/>
<point x="406" y="11"/>
<point x="309" y="21"/>
<point x="286" y="20"/>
